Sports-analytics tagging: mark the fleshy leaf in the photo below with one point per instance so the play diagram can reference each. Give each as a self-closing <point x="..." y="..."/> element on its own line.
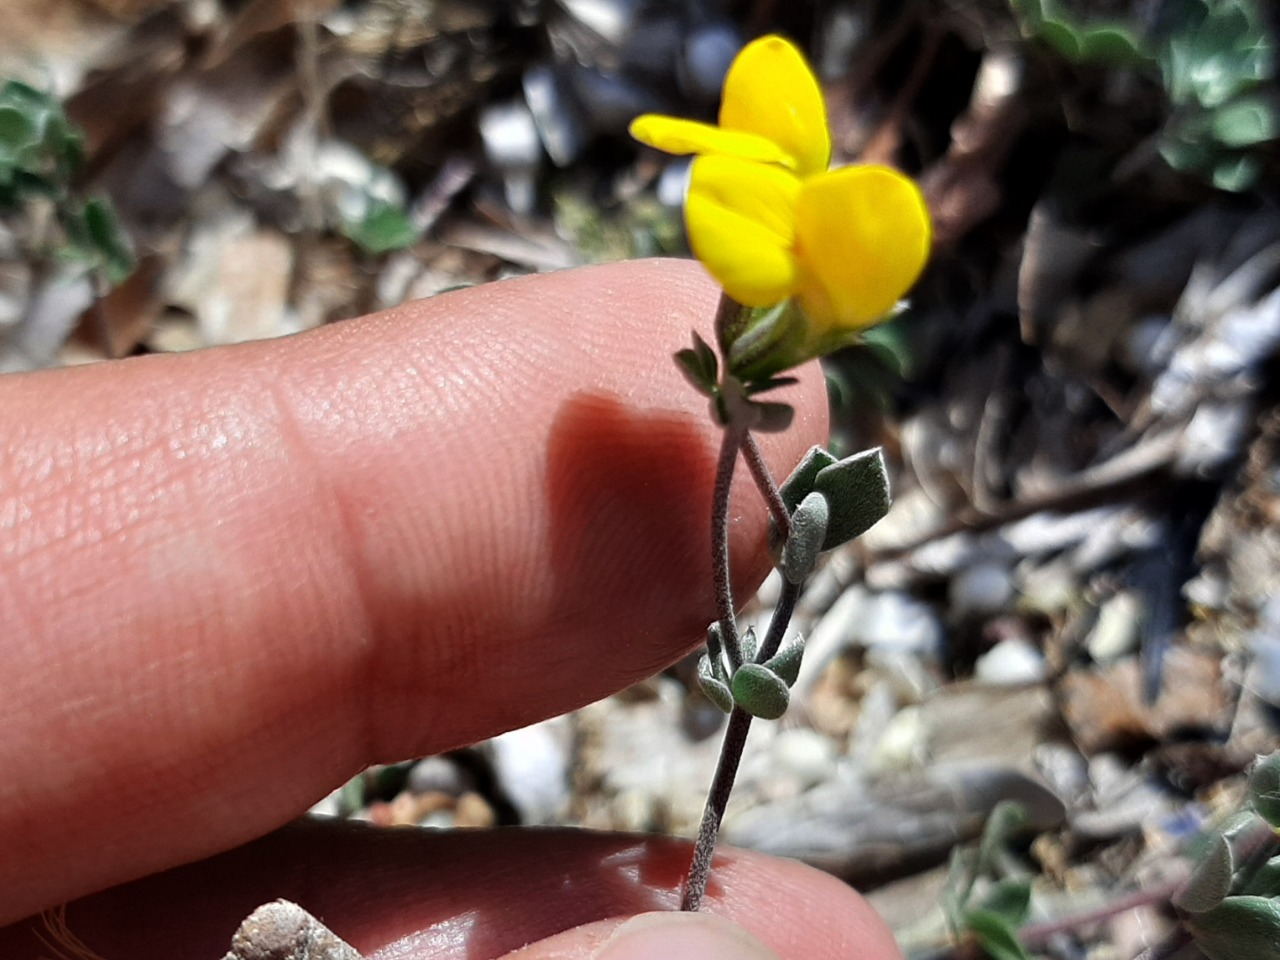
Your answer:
<point x="760" y="691"/>
<point x="857" y="488"/>
<point x="716" y="690"/>
<point x="1264" y="789"/>
<point x="16" y="131"/>
<point x="1239" y="928"/>
<point x="1005" y="819"/>
<point x="808" y="532"/>
<point x="1266" y="882"/>
<point x="995" y="935"/>
<point x="715" y="648"/>
<point x="109" y="239"/>
<point x="803" y="478"/>
<point x="383" y="227"/>
<point x="786" y="662"/>
<point x="1210" y="879"/>
<point x="1010" y="899"/>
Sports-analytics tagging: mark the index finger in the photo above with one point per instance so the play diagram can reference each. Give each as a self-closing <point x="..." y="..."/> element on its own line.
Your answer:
<point x="231" y="579"/>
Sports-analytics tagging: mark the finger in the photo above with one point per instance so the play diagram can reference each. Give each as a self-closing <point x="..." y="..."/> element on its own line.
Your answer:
<point x="473" y="895"/>
<point x="231" y="579"/>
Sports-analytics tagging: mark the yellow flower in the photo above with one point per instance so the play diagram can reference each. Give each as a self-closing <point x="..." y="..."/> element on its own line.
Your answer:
<point x="771" y="111"/>
<point x="771" y="222"/>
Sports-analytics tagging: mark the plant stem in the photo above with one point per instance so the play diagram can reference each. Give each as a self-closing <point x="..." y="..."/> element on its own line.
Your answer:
<point x="721" y="573"/>
<point x="780" y="620"/>
<point x="735" y="735"/>
<point x="768" y="489"/>
<point x="735" y="738"/>
<point x="1035" y="936"/>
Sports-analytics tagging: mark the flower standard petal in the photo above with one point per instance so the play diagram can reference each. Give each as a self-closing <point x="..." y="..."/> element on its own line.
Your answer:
<point x="740" y="216"/>
<point x="771" y="91"/>
<point x="673" y="135"/>
<point x="862" y="238"/>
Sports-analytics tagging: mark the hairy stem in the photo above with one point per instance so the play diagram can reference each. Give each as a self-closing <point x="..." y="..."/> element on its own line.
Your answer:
<point x="735" y="738"/>
<point x="780" y="620"/>
<point x="735" y="735"/>
<point x="721" y="574"/>
<point x="768" y="489"/>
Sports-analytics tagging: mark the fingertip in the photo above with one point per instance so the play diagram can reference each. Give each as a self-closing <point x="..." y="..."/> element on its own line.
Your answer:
<point x="380" y="539"/>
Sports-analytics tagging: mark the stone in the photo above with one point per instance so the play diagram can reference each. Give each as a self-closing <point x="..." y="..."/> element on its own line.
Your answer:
<point x="1105" y="710"/>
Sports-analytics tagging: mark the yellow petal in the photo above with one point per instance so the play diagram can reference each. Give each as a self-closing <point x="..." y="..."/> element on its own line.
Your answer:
<point x="740" y="217"/>
<point x="770" y="91"/>
<point x="673" y="135"/>
<point x="862" y="238"/>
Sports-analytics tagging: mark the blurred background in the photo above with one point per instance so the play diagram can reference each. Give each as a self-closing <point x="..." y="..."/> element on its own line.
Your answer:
<point x="1071" y="604"/>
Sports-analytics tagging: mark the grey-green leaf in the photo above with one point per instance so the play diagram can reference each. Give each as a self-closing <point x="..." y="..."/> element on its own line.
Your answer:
<point x="1266" y="882"/>
<point x="16" y="130"/>
<point x="1210" y="879"/>
<point x="383" y="227"/>
<point x="857" y="488"/>
<point x="1246" y="121"/>
<point x="1007" y="818"/>
<point x="808" y="532"/>
<point x="748" y="644"/>
<point x="109" y="239"/>
<point x="1010" y="899"/>
<point x="995" y="935"/>
<point x="699" y="365"/>
<point x="1239" y="928"/>
<point x="715" y="648"/>
<point x="786" y="662"/>
<point x="1264" y="789"/>
<point x="801" y="481"/>
<point x="760" y="691"/>
<point x="717" y="690"/>
<point x="691" y="366"/>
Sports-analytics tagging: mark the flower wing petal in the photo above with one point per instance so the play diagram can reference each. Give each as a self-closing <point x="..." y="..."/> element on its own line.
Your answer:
<point x="673" y="135"/>
<point x="862" y="238"/>
<point x="771" y="92"/>
<point x="740" y="217"/>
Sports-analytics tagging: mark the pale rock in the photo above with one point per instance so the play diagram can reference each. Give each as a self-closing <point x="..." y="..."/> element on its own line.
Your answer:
<point x="980" y="590"/>
<point x="1011" y="661"/>
<point x="532" y="767"/>
<point x="1116" y="632"/>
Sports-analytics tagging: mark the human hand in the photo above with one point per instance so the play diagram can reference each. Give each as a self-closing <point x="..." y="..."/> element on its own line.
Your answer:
<point x="230" y="580"/>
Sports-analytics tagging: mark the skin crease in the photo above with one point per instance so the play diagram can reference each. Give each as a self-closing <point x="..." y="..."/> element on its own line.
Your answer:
<point x="231" y="579"/>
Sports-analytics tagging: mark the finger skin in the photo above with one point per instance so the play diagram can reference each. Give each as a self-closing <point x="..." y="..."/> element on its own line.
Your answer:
<point x="231" y="579"/>
<point x="471" y="895"/>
